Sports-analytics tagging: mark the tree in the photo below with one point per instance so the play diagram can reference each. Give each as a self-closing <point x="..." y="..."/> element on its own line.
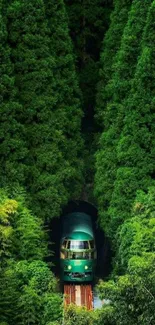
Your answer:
<point x="135" y="149"/>
<point x="21" y="233"/>
<point x="28" y="294"/>
<point x="69" y="111"/>
<point x="136" y="235"/>
<point x="12" y="142"/>
<point x="118" y="89"/>
<point x="8" y="209"/>
<point x="111" y="44"/>
<point x="88" y="22"/>
<point x="48" y="91"/>
<point x="29" y="241"/>
<point x="79" y="315"/>
<point x="39" y="301"/>
<point x="53" y="309"/>
<point x="132" y="294"/>
<point x="28" y="287"/>
<point x="104" y="175"/>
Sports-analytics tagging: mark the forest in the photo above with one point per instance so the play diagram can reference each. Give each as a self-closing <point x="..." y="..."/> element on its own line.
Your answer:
<point x="77" y="119"/>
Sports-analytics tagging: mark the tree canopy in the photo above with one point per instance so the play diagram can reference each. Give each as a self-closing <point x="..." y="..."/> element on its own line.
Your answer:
<point x="77" y="89"/>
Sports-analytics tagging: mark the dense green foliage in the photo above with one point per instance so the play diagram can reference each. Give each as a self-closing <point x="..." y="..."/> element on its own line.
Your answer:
<point x="13" y="146"/>
<point x="112" y="177"/>
<point x="135" y="149"/>
<point x="88" y="21"/>
<point x="48" y="114"/>
<point x="47" y="92"/>
<point x="81" y="316"/>
<point x="106" y="161"/>
<point x="27" y="285"/>
<point x="132" y="295"/>
<point x="111" y="45"/>
<point x="125" y="167"/>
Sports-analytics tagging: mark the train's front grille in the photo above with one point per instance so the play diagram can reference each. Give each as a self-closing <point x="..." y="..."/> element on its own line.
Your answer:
<point x="74" y="275"/>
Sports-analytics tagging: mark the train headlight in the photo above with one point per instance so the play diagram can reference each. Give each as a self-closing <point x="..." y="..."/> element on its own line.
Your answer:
<point x="86" y="267"/>
<point x="69" y="267"/>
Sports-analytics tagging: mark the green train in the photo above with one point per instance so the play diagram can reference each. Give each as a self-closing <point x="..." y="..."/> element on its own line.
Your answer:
<point x="77" y="248"/>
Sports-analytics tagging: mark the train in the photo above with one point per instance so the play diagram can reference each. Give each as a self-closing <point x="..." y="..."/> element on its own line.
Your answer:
<point x="77" y="248"/>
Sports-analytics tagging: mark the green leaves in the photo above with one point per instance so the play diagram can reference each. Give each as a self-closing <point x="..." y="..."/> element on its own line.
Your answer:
<point x="125" y="165"/>
<point x="21" y="233"/>
<point x="125" y="149"/>
<point x="47" y="89"/>
<point x="8" y="208"/>
<point x="132" y="295"/>
<point x="28" y="287"/>
<point x="12" y="144"/>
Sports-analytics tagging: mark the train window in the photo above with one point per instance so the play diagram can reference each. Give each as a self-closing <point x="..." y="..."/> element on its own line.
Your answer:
<point x="92" y="244"/>
<point x="86" y="245"/>
<point x="64" y="244"/>
<point x="78" y="244"/>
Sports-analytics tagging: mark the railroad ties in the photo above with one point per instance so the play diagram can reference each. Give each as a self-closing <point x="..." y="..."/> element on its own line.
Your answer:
<point x="80" y="295"/>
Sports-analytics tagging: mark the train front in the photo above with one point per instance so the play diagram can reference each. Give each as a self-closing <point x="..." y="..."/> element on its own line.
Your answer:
<point x="78" y="257"/>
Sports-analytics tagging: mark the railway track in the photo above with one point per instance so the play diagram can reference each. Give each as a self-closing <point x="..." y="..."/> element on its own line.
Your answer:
<point x="80" y="295"/>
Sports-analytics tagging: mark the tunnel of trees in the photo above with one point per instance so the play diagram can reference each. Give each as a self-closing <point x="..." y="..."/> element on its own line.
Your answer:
<point x="77" y="124"/>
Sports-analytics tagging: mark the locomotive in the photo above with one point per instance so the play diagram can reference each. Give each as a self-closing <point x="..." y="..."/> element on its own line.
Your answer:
<point x="77" y="248"/>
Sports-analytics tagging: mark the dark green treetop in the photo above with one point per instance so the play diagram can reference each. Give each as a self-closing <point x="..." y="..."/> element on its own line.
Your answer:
<point x="110" y="46"/>
<point x="13" y="147"/>
<point x="119" y="87"/>
<point x="135" y="150"/>
<point x="27" y="285"/>
<point x="132" y="294"/>
<point x="88" y="22"/>
<point x="21" y="233"/>
<point x="48" y="92"/>
<point x="136" y="235"/>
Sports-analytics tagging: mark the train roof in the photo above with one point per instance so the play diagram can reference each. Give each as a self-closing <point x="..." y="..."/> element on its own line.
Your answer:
<point x="79" y="235"/>
<point x="78" y="224"/>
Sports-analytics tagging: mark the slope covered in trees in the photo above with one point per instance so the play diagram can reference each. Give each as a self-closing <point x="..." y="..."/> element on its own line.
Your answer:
<point x="88" y="22"/>
<point x="111" y="45"/>
<point x="47" y="92"/>
<point x="50" y="113"/>
<point x="106" y="112"/>
<point x="41" y="147"/>
<point x="125" y="170"/>
<point x="135" y="150"/>
<point x="116" y="108"/>
<point x="132" y="294"/>
<point x="27" y="285"/>
<point x="13" y="147"/>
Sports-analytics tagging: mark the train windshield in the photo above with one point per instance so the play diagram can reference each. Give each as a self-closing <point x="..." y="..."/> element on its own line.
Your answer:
<point x="78" y="255"/>
<point x="78" y="244"/>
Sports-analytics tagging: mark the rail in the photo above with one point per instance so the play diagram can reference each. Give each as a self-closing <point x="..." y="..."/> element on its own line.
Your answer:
<point x="80" y="295"/>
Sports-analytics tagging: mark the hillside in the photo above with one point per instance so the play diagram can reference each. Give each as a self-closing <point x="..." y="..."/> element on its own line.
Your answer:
<point x="77" y="122"/>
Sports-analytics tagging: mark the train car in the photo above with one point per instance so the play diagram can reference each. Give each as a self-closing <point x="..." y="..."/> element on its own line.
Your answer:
<point x="77" y="248"/>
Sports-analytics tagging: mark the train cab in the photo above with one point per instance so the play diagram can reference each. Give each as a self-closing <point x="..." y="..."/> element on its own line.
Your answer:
<point x="77" y="257"/>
